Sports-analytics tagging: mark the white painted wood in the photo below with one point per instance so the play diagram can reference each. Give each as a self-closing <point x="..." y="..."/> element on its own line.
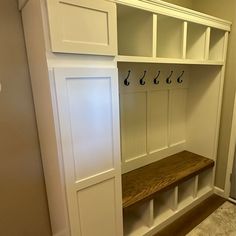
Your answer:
<point x="177" y="116"/>
<point x="80" y="186"/>
<point x="172" y="10"/>
<point x="186" y="193"/>
<point x="154" y="36"/>
<point x="195" y="191"/>
<point x="185" y="35"/>
<point x="133" y="124"/>
<point x="151" y="213"/>
<point x="220" y="192"/>
<point x="137" y="26"/>
<point x="216" y="44"/>
<point x="177" y="214"/>
<point x="47" y="119"/>
<point x="205" y="182"/>
<point x="231" y="154"/>
<point x="97" y="209"/>
<point x="82" y="26"/>
<point x="169" y="37"/>
<point x="220" y="97"/>
<point x="164" y="206"/>
<point x="158" y="121"/>
<point x="202" y="110"/>
<point x="150" y="105"/>
<point x="91" y="108"/>
<point x="168" y="60"/>
<point x="196" y="41"/>
<point x="207" y="43"/>
<point x="90" y="117"/>
<point x="137" y="219"/>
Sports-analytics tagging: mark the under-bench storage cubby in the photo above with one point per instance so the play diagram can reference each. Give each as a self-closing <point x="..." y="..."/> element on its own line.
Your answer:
<point x="205" y="182"/>
<point x="164" y="205"/>
<point x="137" y="219"/>
<point x="186" y="193"/>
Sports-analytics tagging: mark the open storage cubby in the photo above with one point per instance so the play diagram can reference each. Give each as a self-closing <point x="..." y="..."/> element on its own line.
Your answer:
<point x="205" y="182"/>
<point x="186" y="193"/>
<point x="164" y="205"/>
<point x="170" y="37"/>
<point x="136" y="219"/>
<point x="217" y="39"/>
<point x="196" y="41"/>
<point x="135" y="31"/>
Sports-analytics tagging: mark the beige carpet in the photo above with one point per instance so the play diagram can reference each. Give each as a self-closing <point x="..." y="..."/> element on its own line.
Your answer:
<point x="221" y="222"/>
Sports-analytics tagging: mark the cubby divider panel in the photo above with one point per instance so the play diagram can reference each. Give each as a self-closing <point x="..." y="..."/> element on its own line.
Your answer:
<point x="170" y="33"/>
<point x="216" y="50"/>
<point x="135" y="31"/>
<point x="196" y="41"/>
<point x="205" y="182"/>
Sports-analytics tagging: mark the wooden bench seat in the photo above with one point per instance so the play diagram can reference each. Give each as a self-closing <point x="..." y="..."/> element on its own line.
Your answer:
<point x="144" y="182"/>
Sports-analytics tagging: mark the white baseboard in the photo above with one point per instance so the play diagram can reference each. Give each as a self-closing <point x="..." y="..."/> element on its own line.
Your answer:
<point x="232" y="200"/>
<point x="62" y="233"/>
<point x="220" y="192"/>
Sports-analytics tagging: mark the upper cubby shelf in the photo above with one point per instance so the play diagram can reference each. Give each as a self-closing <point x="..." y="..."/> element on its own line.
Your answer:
<point x="153" y="35"/>
<point x="170" y="36"/>
<point x="135" y="29"/>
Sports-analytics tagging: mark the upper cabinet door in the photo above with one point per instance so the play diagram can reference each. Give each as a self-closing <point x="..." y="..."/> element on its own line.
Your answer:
<point x="83" y="26"/>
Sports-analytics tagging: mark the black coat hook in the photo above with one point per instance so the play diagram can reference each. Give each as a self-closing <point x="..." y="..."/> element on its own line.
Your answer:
<point x="179" y="80"/>
<point x="126" y="82"/>
<point x="142" y="81"/>
<point x="168" y="80"/>
<point x="155" y="79"/>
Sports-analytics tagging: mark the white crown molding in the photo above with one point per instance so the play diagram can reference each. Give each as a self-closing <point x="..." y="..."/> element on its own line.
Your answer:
<point x="172" y="10"/>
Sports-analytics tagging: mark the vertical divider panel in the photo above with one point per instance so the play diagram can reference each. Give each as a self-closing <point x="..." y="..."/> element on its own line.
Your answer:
<point x="185" y="33"/>
<point x="175" y="207"/>
<point x="150" y="216"/>
<point x="154" y="36"/>
<point x="226" y="39"/>
<point x="207" y="43"/>
<point x="195" y="191"/>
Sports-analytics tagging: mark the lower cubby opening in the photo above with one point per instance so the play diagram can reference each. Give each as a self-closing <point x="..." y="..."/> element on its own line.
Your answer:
<point x="205" y="182"/>
<point x="164" y="206"/>
<point x="136" y="219"/>
<point x="186" y="193"/>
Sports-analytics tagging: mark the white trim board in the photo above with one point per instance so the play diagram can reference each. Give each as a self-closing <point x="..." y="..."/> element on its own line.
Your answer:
<point x="231" y="153"/>
<point x="220" y="192"/>
<point x="172" y="10"/>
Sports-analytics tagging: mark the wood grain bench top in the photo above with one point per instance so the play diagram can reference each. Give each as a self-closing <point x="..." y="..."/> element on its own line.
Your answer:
<point x="146" y="181"/>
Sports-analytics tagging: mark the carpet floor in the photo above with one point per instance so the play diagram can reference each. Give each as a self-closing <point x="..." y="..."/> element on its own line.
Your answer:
<point x="221" y="222"/>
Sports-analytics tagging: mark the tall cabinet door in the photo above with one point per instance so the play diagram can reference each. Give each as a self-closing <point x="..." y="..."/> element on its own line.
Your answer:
<point x="88" y="111"/>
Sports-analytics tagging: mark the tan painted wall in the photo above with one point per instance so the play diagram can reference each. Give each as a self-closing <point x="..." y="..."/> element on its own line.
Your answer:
<point x="23" y="205"/>
<point x="226" y="10"/>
